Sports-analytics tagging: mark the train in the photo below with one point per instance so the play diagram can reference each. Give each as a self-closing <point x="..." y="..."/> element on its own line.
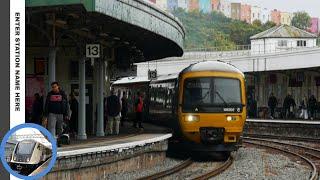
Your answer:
<point x="28" y="154"/>
<point x="204" y="105"/>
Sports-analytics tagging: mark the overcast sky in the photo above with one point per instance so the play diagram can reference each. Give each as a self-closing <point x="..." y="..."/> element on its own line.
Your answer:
<point x="310" y="6"/>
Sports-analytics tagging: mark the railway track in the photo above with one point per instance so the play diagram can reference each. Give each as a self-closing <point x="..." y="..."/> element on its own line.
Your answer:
<point x="315" y="140"/>
<point x="167" y="172"/>
<point x="217" y="170"/>
<point x="300" y="151"/>
<point x="187" y="163"/>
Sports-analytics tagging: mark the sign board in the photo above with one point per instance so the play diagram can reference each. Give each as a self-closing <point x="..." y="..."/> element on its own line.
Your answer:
<point x="152" y="75"/>
<point x="92" y="50"/>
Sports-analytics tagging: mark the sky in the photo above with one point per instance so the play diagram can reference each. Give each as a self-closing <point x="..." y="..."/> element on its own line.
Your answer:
<point x="310" y="6"/>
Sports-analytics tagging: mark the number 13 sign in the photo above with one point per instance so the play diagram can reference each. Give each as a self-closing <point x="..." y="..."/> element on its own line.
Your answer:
<point x="93" y="50"/>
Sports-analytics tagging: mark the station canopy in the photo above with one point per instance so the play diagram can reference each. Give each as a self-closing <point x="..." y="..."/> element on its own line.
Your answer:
<point x="85" y="19"/>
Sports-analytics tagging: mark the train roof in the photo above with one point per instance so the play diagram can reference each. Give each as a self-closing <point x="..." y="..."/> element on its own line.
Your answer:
<point x="12" y="141"/>
<point x="131" y="79"/>
<point x="212" y="66"/>
<point x="45" y="143"/>
<point x="165" y="77"/>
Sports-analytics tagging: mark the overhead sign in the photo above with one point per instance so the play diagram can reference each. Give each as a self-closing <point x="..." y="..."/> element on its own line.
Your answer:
<point x="93" y="50"/>
<point x="152" y="75"/>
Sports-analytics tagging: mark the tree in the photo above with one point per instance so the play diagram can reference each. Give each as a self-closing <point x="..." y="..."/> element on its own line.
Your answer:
<point x="268" y="25"/>
<point x="301" y="20"/>
<point x="256" y="23"/>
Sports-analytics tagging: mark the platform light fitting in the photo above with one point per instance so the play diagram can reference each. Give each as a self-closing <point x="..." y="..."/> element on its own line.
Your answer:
<point x="116" y="38"/>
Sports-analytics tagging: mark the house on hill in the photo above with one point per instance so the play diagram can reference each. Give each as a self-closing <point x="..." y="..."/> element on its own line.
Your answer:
<point x="281" y="38"/>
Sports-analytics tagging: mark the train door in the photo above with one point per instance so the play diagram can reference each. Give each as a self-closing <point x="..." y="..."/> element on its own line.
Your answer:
<point x="89" y="106"/>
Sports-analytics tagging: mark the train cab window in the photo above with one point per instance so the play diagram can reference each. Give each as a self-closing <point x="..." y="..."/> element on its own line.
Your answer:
<point x="210" y="94"/>
<point x="25" y="148"/>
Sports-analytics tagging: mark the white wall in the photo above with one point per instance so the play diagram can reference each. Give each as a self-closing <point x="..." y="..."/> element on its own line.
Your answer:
<point x="183" y="4"/>
<point x="255" y="13"/>
<point x="270" y="45"/>
<point x="225" y="7"/>
<point x="265" y="15"/>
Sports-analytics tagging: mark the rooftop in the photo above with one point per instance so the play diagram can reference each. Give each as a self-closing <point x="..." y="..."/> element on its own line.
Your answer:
<point x="283" y="31"/>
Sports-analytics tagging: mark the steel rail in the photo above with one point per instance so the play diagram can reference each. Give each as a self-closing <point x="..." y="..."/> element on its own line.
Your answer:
<point x="217" y="170"/>
<point x="284" y="143"/>
<point x="308" y="161"/>
<point x="167" y="172"/>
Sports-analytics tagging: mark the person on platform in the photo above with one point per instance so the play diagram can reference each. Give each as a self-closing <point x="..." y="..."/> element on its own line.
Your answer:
<point x="272" y="103"/>
<point x="56" y="109"/>
<point x="288" y="106"/>
<point x="139" y="110"/>
<point x="312" y="106"/>
<point x="73" y="102"/>
<point x="37" y="109"/>
<point x="124" y="107"/>
<point x="303" y="107"/>
<point x="113" y="112"/>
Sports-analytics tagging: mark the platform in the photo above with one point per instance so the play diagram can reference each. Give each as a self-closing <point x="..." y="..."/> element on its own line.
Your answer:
<point x="285" y="121"/>
<point x="97" y="156"/>
<point x="287" y="128"/>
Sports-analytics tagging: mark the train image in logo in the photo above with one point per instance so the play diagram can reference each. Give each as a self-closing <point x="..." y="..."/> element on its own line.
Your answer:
<point x="28" y="154"/>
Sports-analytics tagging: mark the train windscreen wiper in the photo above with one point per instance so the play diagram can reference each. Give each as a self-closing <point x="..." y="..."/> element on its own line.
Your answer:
<point x="224" y="102"/>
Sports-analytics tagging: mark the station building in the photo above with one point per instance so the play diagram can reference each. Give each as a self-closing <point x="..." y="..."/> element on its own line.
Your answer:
<point x="125" y="32"/>
<point x="281" y="38"/>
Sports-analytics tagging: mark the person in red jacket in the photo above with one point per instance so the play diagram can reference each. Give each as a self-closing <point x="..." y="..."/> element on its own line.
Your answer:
<point x="139" y="110"/>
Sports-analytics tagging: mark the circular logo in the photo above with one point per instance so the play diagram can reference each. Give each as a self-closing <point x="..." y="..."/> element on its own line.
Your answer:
<point x="44" y="132"/>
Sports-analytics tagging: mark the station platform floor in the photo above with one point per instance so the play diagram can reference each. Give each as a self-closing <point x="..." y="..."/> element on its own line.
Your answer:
<point x="285" y="121"/>
<point x="129" y="137"/>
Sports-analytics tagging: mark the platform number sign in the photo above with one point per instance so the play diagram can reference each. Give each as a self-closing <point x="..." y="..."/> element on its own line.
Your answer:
<point x="152" y="75"/>
<point x="93" y="50"/>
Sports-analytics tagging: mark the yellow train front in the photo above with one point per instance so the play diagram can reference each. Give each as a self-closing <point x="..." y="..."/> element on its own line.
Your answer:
<point x="211" y="106"/>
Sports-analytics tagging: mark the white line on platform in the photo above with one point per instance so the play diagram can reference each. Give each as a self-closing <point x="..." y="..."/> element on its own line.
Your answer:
<point x="284" y="121"/>
<point x="114" y="146"/>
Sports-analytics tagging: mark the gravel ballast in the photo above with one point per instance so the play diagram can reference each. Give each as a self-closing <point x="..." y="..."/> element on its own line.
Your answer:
<point x="250" y="163"/>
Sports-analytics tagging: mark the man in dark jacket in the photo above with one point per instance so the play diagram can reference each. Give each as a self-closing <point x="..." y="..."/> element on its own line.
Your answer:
<point x="56" y="109"/>
<point x="312" y="106"/>
<point x="272" y="103"/>
<point x="113" y="111"/>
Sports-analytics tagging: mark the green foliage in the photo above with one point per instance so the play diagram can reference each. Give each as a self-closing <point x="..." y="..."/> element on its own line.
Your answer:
<point x="257" y="23"/>
<point x="216" y="30"/>
<point x="301" y="20"/>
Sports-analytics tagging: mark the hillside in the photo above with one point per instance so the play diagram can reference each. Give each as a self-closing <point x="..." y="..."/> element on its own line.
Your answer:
<point x="216" y="30"/>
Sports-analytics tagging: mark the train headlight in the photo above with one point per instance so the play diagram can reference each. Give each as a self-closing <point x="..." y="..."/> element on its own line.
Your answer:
<point x="231" y="118"/>
<point x="28" y="159"/>
<point x="192" y="118"/>
<point x="15" y="158"/>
